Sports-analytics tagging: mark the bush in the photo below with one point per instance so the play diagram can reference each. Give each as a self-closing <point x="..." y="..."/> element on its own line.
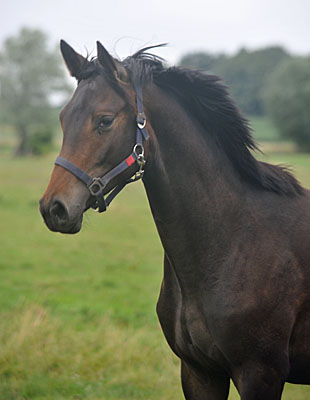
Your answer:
<point x="40" y="141"/>
<point x="287" y="100"/>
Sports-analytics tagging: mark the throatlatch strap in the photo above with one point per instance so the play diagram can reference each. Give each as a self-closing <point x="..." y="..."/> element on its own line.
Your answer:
<point x="141" y="118"/>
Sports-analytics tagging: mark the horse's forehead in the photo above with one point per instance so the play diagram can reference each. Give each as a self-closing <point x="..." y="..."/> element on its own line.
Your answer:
<point x="90" y="91"/>
<point x="89" y="95"/>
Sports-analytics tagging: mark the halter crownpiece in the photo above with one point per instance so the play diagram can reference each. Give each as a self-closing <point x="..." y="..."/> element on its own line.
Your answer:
<point x="97" y="185"/>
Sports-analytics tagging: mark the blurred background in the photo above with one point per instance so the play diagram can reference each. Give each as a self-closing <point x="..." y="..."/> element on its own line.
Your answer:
<point x="77" y="314"/>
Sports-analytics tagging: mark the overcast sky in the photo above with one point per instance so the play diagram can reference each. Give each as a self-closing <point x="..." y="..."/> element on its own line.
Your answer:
<point x="124" y="26"/>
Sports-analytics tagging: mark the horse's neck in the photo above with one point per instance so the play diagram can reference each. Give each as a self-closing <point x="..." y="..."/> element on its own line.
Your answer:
<point x="192" y="189"/>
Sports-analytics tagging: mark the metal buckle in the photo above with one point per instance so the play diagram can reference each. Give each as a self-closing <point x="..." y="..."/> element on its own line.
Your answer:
<point x="96" y="183"/>
<point x="141" y="120"/>
<point x="138" y="150"/>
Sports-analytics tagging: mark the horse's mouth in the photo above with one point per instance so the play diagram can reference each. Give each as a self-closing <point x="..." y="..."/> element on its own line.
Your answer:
<point x="68" y="228"/>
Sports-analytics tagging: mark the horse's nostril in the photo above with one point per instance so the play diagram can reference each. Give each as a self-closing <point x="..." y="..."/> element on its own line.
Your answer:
<point x="59" y="211"/>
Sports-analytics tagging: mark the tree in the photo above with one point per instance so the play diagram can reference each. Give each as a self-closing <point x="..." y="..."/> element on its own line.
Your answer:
<point x="201" y="60"/>
<point x="244" y="72"/>
<point x="30" y="74"/>
<point x="287" y="100"/>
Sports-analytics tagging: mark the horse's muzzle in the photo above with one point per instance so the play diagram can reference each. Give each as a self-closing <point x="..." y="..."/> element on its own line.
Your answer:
<point x="57" y="217"/>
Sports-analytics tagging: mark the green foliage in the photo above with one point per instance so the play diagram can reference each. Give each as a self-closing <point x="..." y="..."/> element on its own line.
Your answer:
<point x="263" y="129"/>
<point x="77" y="313"/>
<point x="287" y="98"/>
<point x="202" y="61"/>
<point x="30" y="74"/>
<point x="40" y="141"/>
<point x="245" y="73"/>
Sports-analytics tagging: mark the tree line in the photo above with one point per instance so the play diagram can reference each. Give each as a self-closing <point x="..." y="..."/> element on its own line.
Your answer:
<point x="32" y="85"/>
<point x="268" y="81"/>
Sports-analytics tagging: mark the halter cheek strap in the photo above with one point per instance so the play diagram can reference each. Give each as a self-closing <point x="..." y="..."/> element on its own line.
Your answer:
<point x="97" y="185"/>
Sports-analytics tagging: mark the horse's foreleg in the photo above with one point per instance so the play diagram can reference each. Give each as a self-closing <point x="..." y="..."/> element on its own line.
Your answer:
<point x="203" y="387"/>
<point x="259" y="383"/>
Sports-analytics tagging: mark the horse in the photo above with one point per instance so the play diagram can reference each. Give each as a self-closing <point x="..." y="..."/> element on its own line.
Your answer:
<point x="234" y="302"/>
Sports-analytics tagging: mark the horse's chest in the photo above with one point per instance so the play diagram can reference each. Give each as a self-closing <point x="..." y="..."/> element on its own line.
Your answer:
<point x="186" y="331"/>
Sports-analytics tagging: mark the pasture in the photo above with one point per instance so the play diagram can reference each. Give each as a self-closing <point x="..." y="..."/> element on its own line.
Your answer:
<point x="77" y="312"/>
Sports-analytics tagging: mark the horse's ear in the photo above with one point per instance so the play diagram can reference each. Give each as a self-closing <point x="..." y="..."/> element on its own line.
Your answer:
<point x="74" y="61"/>
<point x="112" y="66"/>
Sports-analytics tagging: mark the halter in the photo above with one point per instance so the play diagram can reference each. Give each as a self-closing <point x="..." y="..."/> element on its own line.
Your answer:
<point x="96" y="186"/>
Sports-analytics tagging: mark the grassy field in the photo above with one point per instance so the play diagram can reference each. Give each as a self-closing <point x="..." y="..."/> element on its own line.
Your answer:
<point x="77" y="313"/>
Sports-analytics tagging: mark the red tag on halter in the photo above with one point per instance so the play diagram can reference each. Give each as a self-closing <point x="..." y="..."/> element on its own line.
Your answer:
<point x="130" y="160"/>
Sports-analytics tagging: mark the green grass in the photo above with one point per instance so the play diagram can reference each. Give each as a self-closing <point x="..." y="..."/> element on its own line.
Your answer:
<point x="77" y="313"/>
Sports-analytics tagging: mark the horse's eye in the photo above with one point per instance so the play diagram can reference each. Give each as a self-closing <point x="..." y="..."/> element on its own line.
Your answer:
<point x="105" y="122"/>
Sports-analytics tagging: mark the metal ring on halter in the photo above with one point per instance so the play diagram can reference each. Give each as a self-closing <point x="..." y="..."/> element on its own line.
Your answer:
<point x="138" y="154"/>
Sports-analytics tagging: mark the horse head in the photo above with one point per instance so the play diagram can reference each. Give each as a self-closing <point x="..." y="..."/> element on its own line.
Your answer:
<point x="100" y="139"/>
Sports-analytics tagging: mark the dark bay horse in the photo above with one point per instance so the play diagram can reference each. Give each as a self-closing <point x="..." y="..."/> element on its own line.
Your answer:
<point x="235" y="297"/>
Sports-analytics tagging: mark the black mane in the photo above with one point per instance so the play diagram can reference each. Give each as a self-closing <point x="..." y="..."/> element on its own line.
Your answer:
<point x="207" y="100"/>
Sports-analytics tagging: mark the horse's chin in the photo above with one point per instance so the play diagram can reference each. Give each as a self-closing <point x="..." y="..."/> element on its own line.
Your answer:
<point x="69" y="229"/>
<point x="74" y="229"/>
